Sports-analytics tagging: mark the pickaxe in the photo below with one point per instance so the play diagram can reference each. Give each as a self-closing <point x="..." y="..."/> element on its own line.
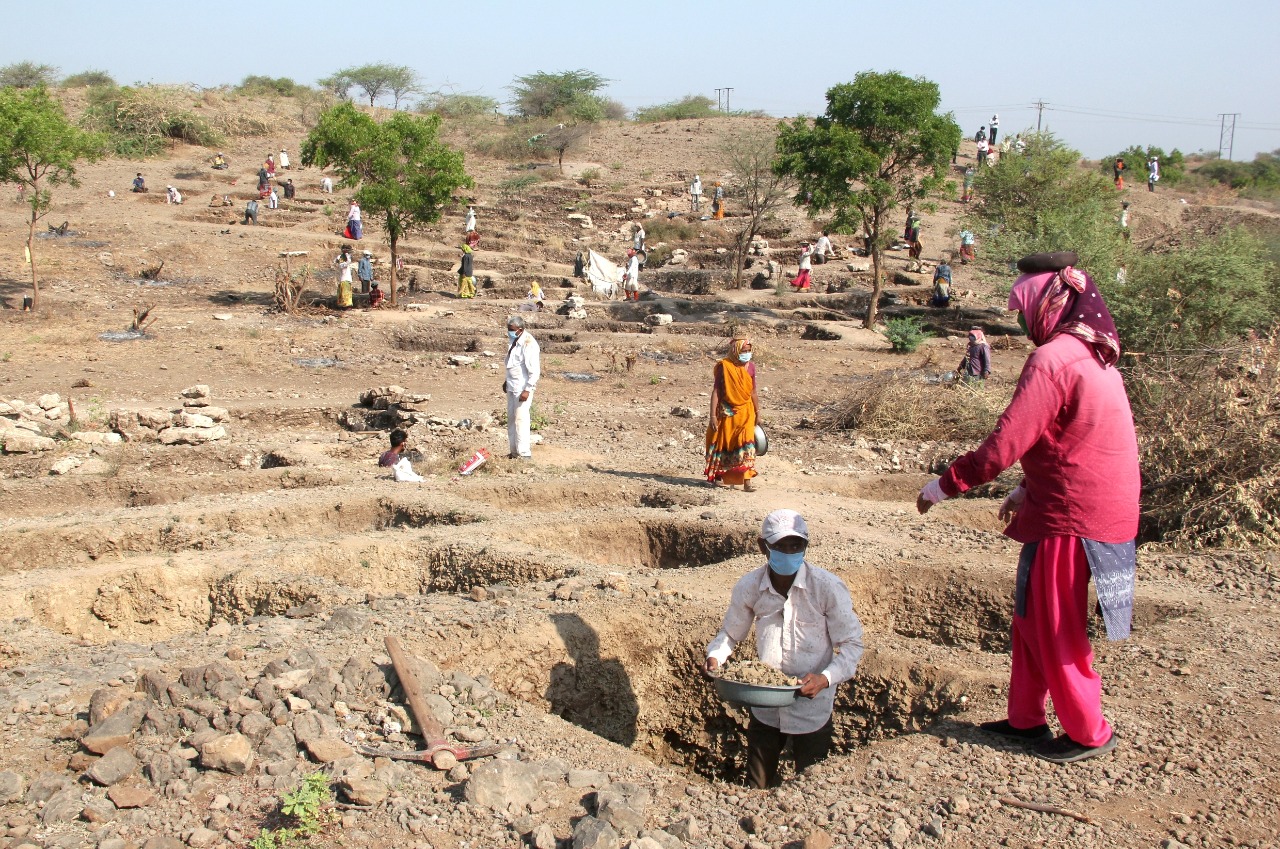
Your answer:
<point x="440" y="752"/>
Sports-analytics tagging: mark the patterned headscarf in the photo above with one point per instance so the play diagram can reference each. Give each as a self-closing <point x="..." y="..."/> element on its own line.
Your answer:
<point x="1066" y="301"/>
<point x="977" y="337"/>
<point x="736" y="346"/>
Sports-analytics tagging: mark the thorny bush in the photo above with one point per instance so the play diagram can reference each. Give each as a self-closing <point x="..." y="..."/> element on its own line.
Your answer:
<point x="1209" y="435"/>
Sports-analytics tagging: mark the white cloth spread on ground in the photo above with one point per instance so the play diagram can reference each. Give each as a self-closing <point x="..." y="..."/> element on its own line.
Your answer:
<point x="796" y="634"/>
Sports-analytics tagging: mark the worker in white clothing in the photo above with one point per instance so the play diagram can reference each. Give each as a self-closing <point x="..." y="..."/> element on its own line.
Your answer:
<point x="806" y="628"/>
<point x="524" y="367"/>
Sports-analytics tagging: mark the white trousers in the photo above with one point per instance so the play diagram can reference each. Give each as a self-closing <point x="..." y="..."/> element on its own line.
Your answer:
<point x="518" y="424"/>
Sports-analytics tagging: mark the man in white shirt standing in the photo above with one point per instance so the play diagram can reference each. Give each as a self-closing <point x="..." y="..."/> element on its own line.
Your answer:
<point x="695" y="193"/>
<point x="524" y="367"/>
<point x="805" y="627"/>
<point x="823" y="248"/>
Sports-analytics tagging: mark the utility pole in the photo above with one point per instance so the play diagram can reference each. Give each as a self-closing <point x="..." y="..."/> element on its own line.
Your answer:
<point x="718" y="107"/>
<point x="726" y="98"/>
<point x="1227" y="133"/>
<point x="1040" y="105"/>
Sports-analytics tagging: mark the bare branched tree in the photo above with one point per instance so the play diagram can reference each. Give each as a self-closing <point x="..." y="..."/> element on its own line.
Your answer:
<point x="748" y="157"/>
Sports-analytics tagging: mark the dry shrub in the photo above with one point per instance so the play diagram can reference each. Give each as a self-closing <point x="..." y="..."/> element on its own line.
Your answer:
<point x="237" y="117"/>
<point x="902" y="405"/>
<point x="1210" y="445"/>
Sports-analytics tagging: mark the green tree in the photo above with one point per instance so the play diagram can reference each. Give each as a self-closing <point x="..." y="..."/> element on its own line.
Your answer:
<point x="338" y="84"/>
<point x="880" y="144"/>
<point x="374" y="80"/>
<point x="404" y="172"/>
<point x="1042" y="200"/>
<point x="27" y="75"/>
<point x="543" y="94"/>
<point x="39" y="149"/>
<point x="88" y="79"/>
<point x="749" y="156"/>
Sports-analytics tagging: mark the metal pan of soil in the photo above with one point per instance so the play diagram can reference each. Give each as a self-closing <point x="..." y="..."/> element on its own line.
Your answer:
<point x="756" y="695"/>
<point x="762" y="442"/>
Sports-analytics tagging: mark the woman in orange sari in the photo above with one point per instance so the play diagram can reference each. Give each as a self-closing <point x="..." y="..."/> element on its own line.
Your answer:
<point x="731" y="431"/>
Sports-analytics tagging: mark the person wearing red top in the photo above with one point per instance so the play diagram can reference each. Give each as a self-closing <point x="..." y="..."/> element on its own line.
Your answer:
<point x="1076" y="510"/>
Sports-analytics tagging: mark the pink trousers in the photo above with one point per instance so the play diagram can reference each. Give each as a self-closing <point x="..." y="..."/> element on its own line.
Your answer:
<point x="1051" y="651"/>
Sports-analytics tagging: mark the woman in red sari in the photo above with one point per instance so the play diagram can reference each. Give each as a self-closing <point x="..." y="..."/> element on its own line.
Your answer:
<point x="731" y="430"/>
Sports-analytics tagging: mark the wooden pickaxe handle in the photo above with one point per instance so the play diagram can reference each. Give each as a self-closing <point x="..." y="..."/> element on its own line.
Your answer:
<point x="432" y="730"/>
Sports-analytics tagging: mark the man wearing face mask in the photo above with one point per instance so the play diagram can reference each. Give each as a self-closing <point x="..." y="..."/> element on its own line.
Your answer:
<point x="805" y="627"/>
<point x="524" y="367"/>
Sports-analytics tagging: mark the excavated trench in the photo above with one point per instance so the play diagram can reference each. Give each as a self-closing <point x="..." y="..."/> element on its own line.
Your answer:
<point x="936" y="639"/>
<point x="645" y="544"/>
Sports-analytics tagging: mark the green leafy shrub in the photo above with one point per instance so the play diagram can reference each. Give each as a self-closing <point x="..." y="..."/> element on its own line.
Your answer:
<point x="1205" y="292"/>
<point x="88" y="79"/>
<point x="905" y="333"/>
<point x="518" y="187"/>
<point x="1259" y="178"/>
<point x="1173" y="165"/>
<point x="458" y="105"/>
<point x="265" y="85"/>
<point x="589" y="176"/>
<point x="686" y="108"/>
<point x="672" y="230"/>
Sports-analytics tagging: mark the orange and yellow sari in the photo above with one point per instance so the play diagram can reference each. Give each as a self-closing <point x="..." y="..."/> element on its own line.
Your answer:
<point x="731" y="444"/>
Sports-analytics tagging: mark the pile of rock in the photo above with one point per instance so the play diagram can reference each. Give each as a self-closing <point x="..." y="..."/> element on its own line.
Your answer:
<point x="22" y="425"/>
<point x="386" y="408"/>
<point x="195" y="422"/>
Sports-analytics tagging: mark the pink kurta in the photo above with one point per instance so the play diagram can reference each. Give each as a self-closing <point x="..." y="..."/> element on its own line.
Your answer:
<point x="1070" y="424"/>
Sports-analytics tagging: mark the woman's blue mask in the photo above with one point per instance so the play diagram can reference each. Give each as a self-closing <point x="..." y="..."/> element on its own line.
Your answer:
<point x="744" y="357"/>
<point x="785" y="564"/>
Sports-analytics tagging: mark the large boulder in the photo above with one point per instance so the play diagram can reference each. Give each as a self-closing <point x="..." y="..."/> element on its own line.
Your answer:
<point x="23" y="442"/>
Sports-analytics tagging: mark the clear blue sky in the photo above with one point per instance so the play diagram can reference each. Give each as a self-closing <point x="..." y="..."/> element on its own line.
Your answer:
<point x="1112" y="73"/>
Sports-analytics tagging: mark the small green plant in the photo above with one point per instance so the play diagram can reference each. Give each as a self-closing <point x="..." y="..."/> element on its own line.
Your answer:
<point x="654" y="379"/>
<point x="615" y="166"/>
<point x="537" y="419"/>
<point x="589" y="176"/>
<point x="327" y="209"/>
<point x="905" y="334"/>
<point x="8" y="355"/>
<point x="308" y="808"/>
<point x="517" y="187"/>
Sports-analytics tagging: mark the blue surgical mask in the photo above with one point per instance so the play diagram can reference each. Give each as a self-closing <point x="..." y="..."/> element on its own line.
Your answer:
<point x="511" y="335"/>
<point x="744" y="357"/>
<point x="785" y="564"/>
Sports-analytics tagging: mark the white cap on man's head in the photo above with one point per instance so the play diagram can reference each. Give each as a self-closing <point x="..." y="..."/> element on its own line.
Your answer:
<point x="781" y="524"/>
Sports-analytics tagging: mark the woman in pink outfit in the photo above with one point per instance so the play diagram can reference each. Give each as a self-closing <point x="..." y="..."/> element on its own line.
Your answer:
<point x="1075" y="511"/>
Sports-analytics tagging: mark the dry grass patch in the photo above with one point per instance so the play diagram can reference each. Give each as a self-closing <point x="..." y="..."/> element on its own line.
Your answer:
<point x="904" y="405"/>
